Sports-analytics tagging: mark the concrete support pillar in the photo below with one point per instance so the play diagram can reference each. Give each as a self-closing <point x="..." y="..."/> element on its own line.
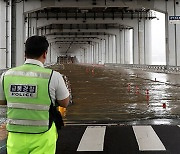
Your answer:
<point x="100" y="52"/>
<point x="103" y="50"/>
<point x="92" y="53"/>
<point x="52" y="53"/>
<point x="29" y="20"/>
<point x="136" y="58"/>
<point x="148" y="43"/>
<point x="33" y="27"/>
<point x="20" y="35"/>
<point x="172" y="34"/>
<point x="127" y="46"/>
<point x="114" y="52"/>
<point x="13" y="35"/>
<point x="85" y="55"/>
<point x="122" y="42"/>
<point x="82" y="55"/>
<point x="110" y="49"/>
<point x="107" y="49"/>
<point x="54" y="56"/>
<point x="115" y="48"/>
<point x="97" y="53"/>
<point x="5" y="34"/>
<point x="88" y="54"/>
<point x="118" y="45"/>
<point x="26" y="26"/>
<point x="141" y="41"/>
<point x="49" y="54"/>
<point x="78" y="56"/>
<point x="8" y="33"/>
<point x="177" y="36"/>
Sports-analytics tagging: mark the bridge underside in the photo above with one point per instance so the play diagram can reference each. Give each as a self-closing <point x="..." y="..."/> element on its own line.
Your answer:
<point x="98" y="32"/>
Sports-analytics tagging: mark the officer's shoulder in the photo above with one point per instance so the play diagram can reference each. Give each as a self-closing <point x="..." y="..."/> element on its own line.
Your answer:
<point x="48" y="69"/>
<point x="8" y="70"/>
<point x="57" y="73"/>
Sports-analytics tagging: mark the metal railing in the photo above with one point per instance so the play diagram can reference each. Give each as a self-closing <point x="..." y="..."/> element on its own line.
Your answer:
<point x="156" y="68"/>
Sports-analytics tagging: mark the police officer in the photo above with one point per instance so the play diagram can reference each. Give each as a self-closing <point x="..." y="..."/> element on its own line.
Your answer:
<point x="30" y="91"/>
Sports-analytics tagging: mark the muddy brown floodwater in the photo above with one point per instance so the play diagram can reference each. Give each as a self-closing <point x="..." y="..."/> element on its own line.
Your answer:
<point x="107" y="95"/>
<point x="104" y="94"/>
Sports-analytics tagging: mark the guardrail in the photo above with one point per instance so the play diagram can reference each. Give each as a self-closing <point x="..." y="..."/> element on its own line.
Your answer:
<point x="49" y="64"/>
<point x="156" y="68"/>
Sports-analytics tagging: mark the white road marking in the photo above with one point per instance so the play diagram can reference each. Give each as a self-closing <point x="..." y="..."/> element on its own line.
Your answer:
<point x="92" y="139"/>
<point x="147" y="139"/>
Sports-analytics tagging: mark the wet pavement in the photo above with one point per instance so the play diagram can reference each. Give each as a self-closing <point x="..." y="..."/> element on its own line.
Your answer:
<point x="107" y="95"/>
<point x="110" y="94"/>
<point x="115" y="94"/>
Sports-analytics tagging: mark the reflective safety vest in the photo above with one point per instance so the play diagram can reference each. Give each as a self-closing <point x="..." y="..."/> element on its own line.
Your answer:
<point x="28" y="100"/>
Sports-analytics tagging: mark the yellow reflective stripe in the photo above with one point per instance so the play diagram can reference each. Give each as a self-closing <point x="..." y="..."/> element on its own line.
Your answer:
<point x="28" y="122"/>
<point x="28" y="106"/>
<point x="28" y="74"/>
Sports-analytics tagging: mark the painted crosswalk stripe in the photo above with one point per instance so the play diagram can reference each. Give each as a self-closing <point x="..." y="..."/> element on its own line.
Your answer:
<point x="147" y="139"/>
<point x="92" y="139"/>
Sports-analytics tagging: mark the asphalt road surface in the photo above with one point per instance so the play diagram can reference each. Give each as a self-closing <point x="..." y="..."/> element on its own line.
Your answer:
<point x="115" y="139"/>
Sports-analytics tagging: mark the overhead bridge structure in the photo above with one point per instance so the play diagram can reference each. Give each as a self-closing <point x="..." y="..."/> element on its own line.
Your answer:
<point x="93" y="31"/>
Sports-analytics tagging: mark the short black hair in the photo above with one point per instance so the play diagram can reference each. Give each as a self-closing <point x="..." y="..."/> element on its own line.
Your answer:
<point x="35" y="46"/>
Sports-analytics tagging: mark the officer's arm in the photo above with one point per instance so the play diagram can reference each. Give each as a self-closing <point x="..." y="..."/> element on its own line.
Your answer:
<point x="63" y="103"/>
<point x="3" y="102"/>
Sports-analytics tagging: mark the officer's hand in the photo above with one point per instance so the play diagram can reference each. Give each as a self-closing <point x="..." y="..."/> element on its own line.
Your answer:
<point x="64" y="103"/>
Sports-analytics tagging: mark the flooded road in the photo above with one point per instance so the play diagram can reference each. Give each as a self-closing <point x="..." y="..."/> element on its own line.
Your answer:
<point x="104" y="94"/>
